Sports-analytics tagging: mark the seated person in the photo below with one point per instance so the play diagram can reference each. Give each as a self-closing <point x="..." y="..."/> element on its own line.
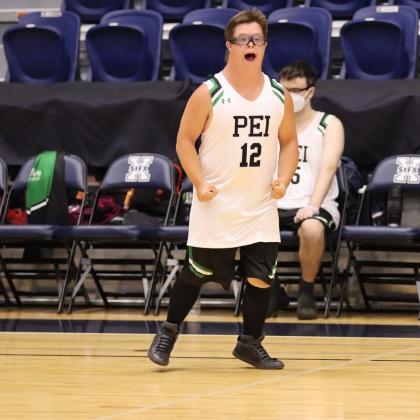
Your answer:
<point x="309" y="206"/>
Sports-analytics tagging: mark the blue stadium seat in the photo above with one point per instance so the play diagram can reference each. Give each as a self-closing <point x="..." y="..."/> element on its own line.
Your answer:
<point x="151" y="24"/>
<point x="308" y="34"/>
<point x="412" y="3"/>
<point x="340" y="9"/>
<point x="266" y="6"/>
<point x="36" y="55"/>
<point x="91" y="11"/>
<point x="213" y="16"/>
<point x="192" y="61"/>
<point x="174" y="10"/>
<point x="382" y="227"/>
<point x="117" y="54"/>
<point x="68" y="24"/>
<point x="380" y="43"/>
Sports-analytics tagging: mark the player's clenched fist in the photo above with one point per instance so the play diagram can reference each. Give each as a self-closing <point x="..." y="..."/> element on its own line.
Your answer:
<point x="206" y="192"/>
<point x="278" y="189"/>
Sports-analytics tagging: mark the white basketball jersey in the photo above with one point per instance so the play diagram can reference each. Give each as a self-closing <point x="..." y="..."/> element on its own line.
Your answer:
<point x="238" y="154"/>
<point x="311" y="144"/>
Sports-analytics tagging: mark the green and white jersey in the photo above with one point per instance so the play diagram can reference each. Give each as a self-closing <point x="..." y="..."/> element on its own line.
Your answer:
<point x="238" y="154"/>
<point x="311" y="144"/>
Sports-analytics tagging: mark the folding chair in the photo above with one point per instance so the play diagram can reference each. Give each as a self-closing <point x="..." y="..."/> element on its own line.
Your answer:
<point x="393" y="187"/>
<point x="149" y="180"/>
<point x="15" y="240"/>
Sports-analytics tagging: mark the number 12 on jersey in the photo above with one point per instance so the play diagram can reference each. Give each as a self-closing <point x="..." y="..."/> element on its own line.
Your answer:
<point x="250" y="155"/>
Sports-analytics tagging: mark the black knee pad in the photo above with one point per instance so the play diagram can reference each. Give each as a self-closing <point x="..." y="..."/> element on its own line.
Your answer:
<point x="190" y="279"/>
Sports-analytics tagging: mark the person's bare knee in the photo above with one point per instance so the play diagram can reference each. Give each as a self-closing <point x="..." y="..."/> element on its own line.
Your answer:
<point x="258" y="283"/>
<point x="311" y="231"/>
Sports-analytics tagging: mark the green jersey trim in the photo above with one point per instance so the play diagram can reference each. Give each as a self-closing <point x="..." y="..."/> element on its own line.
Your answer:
<point x="278" y="90"/>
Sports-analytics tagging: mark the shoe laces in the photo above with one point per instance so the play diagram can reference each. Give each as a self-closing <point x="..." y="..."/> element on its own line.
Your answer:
<point x="164" y="343"/>
<point x="261" y="351"/>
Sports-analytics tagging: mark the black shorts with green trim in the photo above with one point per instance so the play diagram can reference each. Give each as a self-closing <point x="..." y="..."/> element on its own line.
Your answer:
<point x="218" y="264"/>
<point x="286" y="218"/>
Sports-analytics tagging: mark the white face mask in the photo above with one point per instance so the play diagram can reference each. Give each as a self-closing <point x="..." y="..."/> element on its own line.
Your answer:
<point x="299" y="102"/>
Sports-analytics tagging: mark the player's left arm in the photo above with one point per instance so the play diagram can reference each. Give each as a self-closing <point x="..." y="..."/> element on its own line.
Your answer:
<point x="289" y="152"/>
<point x="331" y="155"/>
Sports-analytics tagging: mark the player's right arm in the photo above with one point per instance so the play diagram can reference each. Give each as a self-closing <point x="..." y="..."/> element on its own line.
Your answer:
<point x="194" y="121"/>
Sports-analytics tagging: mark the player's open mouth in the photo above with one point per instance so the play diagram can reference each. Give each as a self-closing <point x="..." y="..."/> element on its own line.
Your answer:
<point x="250" y="57"/>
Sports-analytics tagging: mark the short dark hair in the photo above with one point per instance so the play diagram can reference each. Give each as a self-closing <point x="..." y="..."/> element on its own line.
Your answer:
<point x="246" y="16"/>
<point x="299" y="68"/>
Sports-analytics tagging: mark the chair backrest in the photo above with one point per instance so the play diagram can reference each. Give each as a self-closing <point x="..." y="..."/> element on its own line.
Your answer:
<point x="174" y="10"/>
<point x="35" y="55"/>
<point x="149" y="177"/>
<point x="401" y="170"/>
<point x="151" y="24"/>
<point x="407" y="19"/>
<point x="192" y="61"/>
<point x="139" y="170"/>
<point x="93" y="10"/>
<point x="75" y="178"/>
<point x="117" y="54"/>
<point x="266" y="6"/>
<point x="75" y="174"/>
<point x="68" y="24"/>
<point x="308" y="31"/>
<point x="393" y="192"/>
<point x="210" y="16"/>
<point x="373" y="50"/>
<point x="340" y="9"/>
<point x="412" y="3"/>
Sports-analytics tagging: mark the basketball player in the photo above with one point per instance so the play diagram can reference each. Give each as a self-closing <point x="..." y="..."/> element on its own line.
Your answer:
<point x="309" y="205"/>
<point x="241" y="115"/>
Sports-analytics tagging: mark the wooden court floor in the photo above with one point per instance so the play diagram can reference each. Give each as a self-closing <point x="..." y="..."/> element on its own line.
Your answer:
<point x="90" y="375"/>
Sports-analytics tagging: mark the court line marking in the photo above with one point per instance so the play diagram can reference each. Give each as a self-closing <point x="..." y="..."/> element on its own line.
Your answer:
<point x="236" y="388"/>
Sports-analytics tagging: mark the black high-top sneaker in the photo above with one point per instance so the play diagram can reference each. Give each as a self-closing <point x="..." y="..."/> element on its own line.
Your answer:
<point x="250" y="350"/>
<point x="163" y="343"/>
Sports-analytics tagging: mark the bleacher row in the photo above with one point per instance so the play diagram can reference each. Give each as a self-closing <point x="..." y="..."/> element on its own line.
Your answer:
<point x="378" y="43"/>
<point x="134" y="230"/>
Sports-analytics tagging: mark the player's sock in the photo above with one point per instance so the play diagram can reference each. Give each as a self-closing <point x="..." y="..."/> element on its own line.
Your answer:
<point x="306" y="304"/>
<point x="254" y="309"/>
<point x="183" y="297"/>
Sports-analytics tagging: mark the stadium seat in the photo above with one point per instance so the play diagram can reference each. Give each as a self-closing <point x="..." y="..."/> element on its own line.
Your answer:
<point x="35" y="55"/>
<point x="340" y="9"/>
<point x="266" y="6"/>
<point x="151" y="24"/>
<point x="213" y="16"/>
<point x="91" y="11"/>
<point x="28" y="251"/>
<point x="149" y="181"/>
<point x="192" y="61"/>
<point x="68" y="25"/>
<point x="308" y="31"/>
<point x="117" y="54"/>
<point x="412" y="3"/>
<point x="380" y="43"/>
<point x="174" y="10"/>
<point x="385" y="225"/>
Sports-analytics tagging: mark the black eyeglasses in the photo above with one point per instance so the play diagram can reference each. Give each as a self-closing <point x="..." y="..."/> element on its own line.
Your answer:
<point x="298" y="90"/>
<point x="246" y="39"/>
